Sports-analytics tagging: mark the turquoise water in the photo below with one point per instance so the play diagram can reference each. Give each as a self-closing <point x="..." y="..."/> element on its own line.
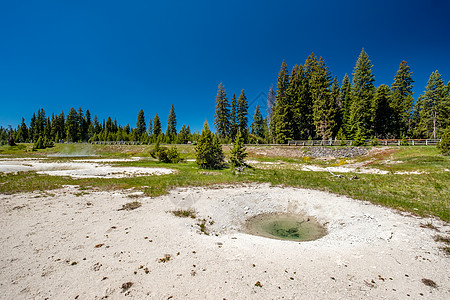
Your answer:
<point x="285" y="227"/>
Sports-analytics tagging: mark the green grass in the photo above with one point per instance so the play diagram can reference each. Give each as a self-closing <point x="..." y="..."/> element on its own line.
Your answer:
<point x="424" y="194"/>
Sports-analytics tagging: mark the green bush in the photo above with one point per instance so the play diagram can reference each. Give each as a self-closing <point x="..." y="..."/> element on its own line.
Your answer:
<point x="165" y="155"/>
<point x="404" y="142"/>
<point x="444" y="144"/>
<point x="374" y="141"/>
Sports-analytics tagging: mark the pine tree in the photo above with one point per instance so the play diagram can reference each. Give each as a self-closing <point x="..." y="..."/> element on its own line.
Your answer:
<point x="141" y="126"/>
<point x="222" y="116"/>
<point x="304" y="103"/>
<point x="31" y="131"/>
<point x="156" y="126"/>
<point x="444" y="144"/>
<point x="59" y="131"/>
<point x="258" y="123"/>
<point x="283" y="112"/>
<point x="238" y="152"/>
<point x="39" y="124"/>
<point x="171" y="131"/>
<point x="271" y="101"/>
<point x="109" y="127"/>
<point x="82" y="126"/>
<point x="233" y="117"/>
<point x="323" y="104"/>
<point x="23" y="129"/>
<point x="337" y="103"/>
<point x="72" y="126"/>
<point x="265" y="130"/>
<point x="363" y="91"/>
<point x="431" y="121"/>
<point x="402" y="99"/>
<point x="242" y="113"/>
<point x="208" y="151"/>
<point x="383" y="115"/>
<point x="48" y="129"/>
<point x="184" y="135"/>
<point x="150" y="127"/>
<point x="346" y="97"/>
<point x="97" y="125"/>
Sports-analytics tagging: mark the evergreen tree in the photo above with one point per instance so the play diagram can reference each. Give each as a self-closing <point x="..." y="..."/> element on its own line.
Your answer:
<point x="337" y="104"/>
<point x="432" y="104"/>
<point x="323" y="104"/>
<point x="444" y="144"/>
<point x="184" y="135"/>
<point x="363" y="91"/>
<point x="382" y="117"/>
<point x="72" y="126"/>
<point x="293" y="101"/>
<point x="39" y="124"/>
<point x="150" y="127"/>
<point x="242" y="113"/>
<point x="82" y="126"/>
<point x="233" y="117"/>
<point x="402" y="99"/>
<point x="238" y="152"/>
<point x="171" y="131"/>
<point x="346" y="96"/>
<point x="97" y="125"/>
<point x="270" y="111"/>
<point x="88" y="118"/>
<point x="156" y="126"/>
<point x="283" y="112"/>
<point x="48" y="130"/>
<point x="140" y="124"/>
<point x="222" y="116"/>
<point x="23" y="132"/>
<point x="31" y="131"/>
<point x="258" y="123"/>
<point x="59" y="131"/>
<point x="208" y="151"/>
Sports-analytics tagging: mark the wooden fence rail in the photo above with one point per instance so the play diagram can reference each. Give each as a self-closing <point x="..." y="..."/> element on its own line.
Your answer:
<point x="385" y="142"/>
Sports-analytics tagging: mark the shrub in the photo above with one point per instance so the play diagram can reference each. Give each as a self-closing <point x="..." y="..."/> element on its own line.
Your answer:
<point x="404" y="142"/>
<point x="165" y="155"/>
<point x="374" y="141"/>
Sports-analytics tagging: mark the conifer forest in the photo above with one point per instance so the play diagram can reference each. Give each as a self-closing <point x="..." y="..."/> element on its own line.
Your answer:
<point x="307" y="103"/>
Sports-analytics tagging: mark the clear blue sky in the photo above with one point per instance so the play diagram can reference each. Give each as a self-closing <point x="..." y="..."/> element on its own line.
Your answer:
<point x="116" y="57"/>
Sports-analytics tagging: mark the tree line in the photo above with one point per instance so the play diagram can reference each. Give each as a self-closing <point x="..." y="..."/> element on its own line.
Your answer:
<point x="309" y="103"/>
<point x="79" y="126"/>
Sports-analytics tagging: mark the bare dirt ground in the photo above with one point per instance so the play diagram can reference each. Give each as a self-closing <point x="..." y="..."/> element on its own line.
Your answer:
<point x="87" y="168"/>
<point x="70" y="245"/>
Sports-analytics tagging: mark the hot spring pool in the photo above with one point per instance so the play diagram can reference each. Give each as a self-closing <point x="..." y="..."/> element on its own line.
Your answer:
<point x="282" y="226"/>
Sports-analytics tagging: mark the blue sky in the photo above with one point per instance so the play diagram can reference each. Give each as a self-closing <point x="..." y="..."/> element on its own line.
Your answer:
<point x="116" y="57"/>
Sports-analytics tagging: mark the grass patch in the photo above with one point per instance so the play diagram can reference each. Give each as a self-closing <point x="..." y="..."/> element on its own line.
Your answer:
<point x="424" y="194"/>
<point x="184" y="213"/>
<point x="202" y="226"/>
<point x="166" y="258"/>
<point x="131" y="205"/>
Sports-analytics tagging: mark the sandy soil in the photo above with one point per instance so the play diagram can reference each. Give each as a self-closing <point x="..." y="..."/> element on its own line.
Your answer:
<point x="66" y="246"/>
<point x="88" y="168"/>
